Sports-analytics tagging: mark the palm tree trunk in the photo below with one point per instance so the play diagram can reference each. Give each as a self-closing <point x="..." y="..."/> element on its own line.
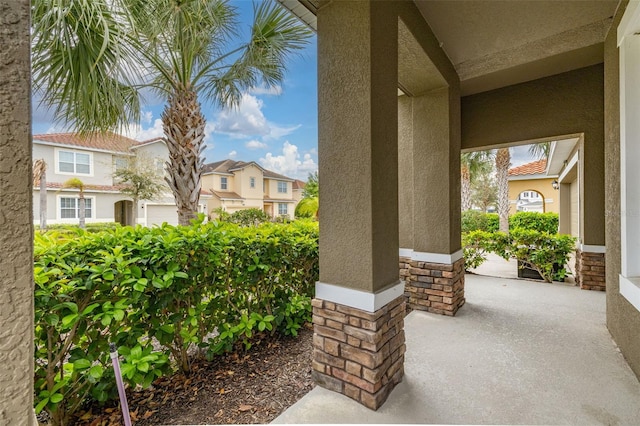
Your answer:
<point x="503" y="160"/>
<point x="183" y="125"/>
<point x="43" y="201"/>
<point x="465" y="188"/>
<point x="81" y="210"/>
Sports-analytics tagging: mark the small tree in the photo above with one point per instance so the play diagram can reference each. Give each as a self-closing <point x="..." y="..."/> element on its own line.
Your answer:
<point x="76" y="183"/>
<point x="310" y="203"/>
<point x="140" y="180"/>
<point x="312" y="187"/>
<point x="484" y="192"/>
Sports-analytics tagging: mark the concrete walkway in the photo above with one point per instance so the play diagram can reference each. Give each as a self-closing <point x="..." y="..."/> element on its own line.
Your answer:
<point x="518" y="352"/>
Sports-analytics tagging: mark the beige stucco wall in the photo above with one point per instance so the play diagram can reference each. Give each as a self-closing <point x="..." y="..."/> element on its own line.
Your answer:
<point x="623" y="320"/>
<point x="405" y="171"/>
<point x="542" y="186"/>
<point x="272" y="190"/>
<point x="243" y="184"/>
<point x="16" y="238"/>
<point x="564" y="104"/>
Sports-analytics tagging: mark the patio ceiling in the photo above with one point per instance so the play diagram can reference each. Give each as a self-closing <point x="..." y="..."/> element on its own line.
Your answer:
<point x="493" y="44"/>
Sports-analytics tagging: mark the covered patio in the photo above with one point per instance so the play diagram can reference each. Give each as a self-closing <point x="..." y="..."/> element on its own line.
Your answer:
<point x="519" y="352"/>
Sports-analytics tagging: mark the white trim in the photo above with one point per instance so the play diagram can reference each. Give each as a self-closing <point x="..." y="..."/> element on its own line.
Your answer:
<point x="447" y="259"/>
<point x="630" y="290"/>
<point x="630" y="21"/>
<point x="536" y="176"/>
<point x="359" y="299"/>
<point x="572" y="162"/>
<point x="150" y="142"/>
<point x="405" y="252"/>
<point x="592" y="249"/>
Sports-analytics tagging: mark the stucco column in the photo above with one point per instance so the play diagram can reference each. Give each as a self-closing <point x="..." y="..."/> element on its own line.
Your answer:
<point x="359" y="305"/>
<point x="16" y="220"/>
<point x="435" y="275"/>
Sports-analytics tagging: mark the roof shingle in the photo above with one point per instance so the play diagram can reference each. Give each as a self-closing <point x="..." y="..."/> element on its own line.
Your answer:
<point x="533" y="168"/>
<point x="104" y="141"/>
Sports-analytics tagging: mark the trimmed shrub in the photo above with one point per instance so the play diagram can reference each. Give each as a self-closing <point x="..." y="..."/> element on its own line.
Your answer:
<point x="176" y="286"/>
<point x="542" y="222"/>
<point x="473" y="220"/>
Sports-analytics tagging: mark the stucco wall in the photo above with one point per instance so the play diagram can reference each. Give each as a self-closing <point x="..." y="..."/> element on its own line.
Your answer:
<point x="543" y="186"/>
<point x="16" y="238"/>
<point x="623" y="320"/>
<point x="564" y="104"/>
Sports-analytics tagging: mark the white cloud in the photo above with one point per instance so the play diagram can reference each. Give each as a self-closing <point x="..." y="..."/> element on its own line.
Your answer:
<point x="262" y="90"/>
<point x="254" y="144"/>
<point x="290" y="163"/>
<point x="147" y="116"/>
<point x="152" y="132"/>
<point x="232" y="155"/>
<point x="248" y="120"/>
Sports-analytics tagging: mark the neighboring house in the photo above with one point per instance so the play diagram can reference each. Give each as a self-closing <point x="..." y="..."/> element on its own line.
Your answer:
<point x="298" y="189"/>
<point x="531" y="189"/>
<point x="93" y="160"/>
<point x="239" y="185"/>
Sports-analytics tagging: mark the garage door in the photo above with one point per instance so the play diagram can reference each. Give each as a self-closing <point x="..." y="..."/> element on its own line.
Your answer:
<point x="156" y="215"/>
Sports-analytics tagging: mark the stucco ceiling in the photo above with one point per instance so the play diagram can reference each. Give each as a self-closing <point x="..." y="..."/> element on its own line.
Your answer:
<point x="497" y="43"/>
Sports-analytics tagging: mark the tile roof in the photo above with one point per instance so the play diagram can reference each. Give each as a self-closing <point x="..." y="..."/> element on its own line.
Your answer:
<point x="533" y="168"/>
<point x="227" y="166"/>
<point x="298" y="184"/>
<point x="227" y="195"/>
<point x="115" y="188"/>
<point x="104" y="141"/>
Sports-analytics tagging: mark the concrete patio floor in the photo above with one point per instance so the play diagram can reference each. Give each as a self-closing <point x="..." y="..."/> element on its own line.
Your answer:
<point x="518" y="352"/>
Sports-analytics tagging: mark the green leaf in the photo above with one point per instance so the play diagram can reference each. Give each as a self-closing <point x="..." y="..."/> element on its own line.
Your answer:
<point x="56" y="398"/>
<point x="136" y="351"/>
<point x="143" y="366"/>
<point x="118" y="315"/>
<point x="81" y="364"/>
<point x="69" y="319"/>
<point x="135" y="271"/>
<point x="90" y="308"/>
<point x="51" y="319"/>
<point x="108" y="275"/>
<point x="96" y="371"/>
<point x="41" y="405"/>
<point x="180" y="274"/>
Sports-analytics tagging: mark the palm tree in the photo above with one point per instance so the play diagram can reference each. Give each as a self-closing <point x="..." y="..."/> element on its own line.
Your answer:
<point x="308" y="207"/>
<point x="471" y="163"/>
<point x="503" y="161"/>
<point x="40" y="178"/>
<point x="76" y="183"/>
<point x="540" y="150"/>
<point x="181" y="49"/>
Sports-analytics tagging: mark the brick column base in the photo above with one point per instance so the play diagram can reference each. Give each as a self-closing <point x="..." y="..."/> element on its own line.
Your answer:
<point x="357" y="353"/>
<point x="590" y="270"/>
<point x="433" y="287"/>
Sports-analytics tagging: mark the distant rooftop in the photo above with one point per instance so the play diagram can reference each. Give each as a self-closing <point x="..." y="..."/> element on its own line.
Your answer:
<point x="533" y="168"/>
<point x="104" y="141"/>
<point x="228" y="166"/>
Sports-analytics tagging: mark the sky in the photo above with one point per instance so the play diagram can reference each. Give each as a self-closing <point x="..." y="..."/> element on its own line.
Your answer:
<point x="276" y="127"/>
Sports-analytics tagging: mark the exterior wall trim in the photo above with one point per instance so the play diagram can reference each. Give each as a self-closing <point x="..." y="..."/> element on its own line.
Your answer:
<point x="572" y="162"/>
<point x="630" y="290"/>
<point x="437" y="257"/>
<point x="592" y="249"/>
<point x="359" y="299"/>
<point x="405" y="252"/>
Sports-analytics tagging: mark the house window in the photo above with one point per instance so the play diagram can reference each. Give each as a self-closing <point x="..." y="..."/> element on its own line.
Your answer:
<point x="70" y="207"/>
<point x="120" y="163"/>
<point x="74" y="162"/>
<point x="252" y="182"/>
<point x="223" y="183"/>
<point x="525" y="194"/>
<point x="282" y="187"/>
<point x="282" y="209"/>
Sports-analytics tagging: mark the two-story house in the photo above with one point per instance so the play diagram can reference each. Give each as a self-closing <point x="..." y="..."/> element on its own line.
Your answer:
<point x="238" y="185"/>
<point x="94" y="160"/>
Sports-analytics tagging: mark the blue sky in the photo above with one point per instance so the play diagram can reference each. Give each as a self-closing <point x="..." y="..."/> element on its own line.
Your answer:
<point x="275" y="127"/>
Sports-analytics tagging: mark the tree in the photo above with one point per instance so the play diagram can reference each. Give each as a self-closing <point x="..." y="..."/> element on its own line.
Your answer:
<point x="503" y="161"/>
<point x="76" y="183"/>
<point x="92" y="59"/>
<point x="484" y="192"/>
<point x="40" y="178"/>
<point x="140" y="180"/>
<point x="540" y="150"/>
<point x="471" y="163"/>
<point x="312" y="187"/>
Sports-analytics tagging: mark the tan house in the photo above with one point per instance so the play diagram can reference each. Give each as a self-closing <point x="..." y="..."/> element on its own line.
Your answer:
<point x="403" y="87"/>
<point x="239" y="185"/>
<point x="531" y="189"/>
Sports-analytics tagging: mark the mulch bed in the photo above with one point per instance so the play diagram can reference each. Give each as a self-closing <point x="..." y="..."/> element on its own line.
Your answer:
<point x="240" y="388"/>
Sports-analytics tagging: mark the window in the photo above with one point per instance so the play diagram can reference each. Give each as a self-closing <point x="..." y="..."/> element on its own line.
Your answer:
<point x="74" y="162"/>
<point x="120" y="163"/>
<point x="282" y="209"/>
<point x="282" y="187"/>
<point x="69" y="207"/>
<point x="223" y="183"/>
<point x="525" y="194"/>
<point x="252" y="182"/>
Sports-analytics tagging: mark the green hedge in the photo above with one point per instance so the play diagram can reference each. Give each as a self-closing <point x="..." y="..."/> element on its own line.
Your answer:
<point x="175" y="287"/>
<point x="490" y="222"/>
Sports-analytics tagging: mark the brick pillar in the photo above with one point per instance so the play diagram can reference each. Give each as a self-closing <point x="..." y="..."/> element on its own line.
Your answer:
<point x="590" y="270"/>
<point x="433" y="287"/>
<point x="357" y="353"/>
